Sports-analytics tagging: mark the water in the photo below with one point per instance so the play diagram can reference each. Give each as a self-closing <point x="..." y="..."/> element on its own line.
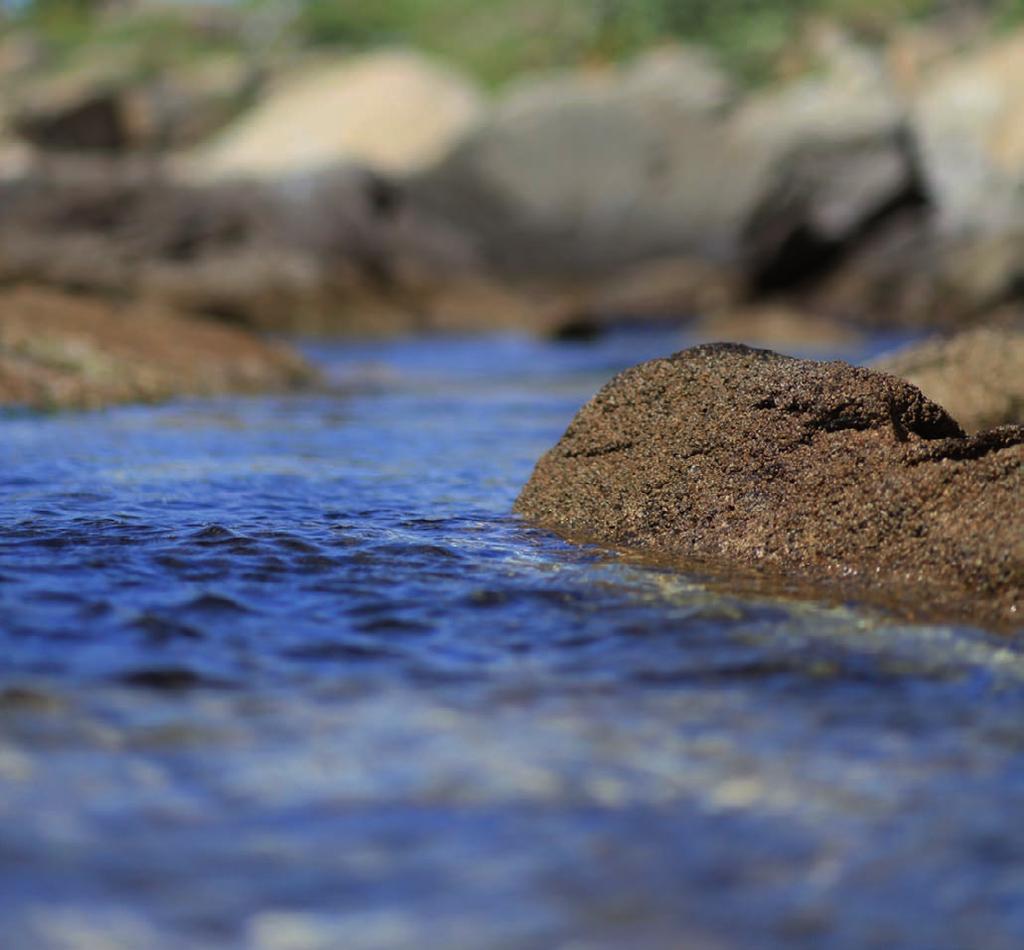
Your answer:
<point x="285" y="673"/>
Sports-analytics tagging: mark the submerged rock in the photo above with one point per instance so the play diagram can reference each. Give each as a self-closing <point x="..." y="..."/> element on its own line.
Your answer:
<point x="747" y="457"/>
<point x="978" y="375"/>
<point x="58" y="351"/>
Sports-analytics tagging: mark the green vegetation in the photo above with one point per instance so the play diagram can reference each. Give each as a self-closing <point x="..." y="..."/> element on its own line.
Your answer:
<point x="73" y="35"/>
<point x="498" y="38"/>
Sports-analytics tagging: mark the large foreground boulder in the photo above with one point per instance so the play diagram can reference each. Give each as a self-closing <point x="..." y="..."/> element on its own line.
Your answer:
<point x="749" y="458"/>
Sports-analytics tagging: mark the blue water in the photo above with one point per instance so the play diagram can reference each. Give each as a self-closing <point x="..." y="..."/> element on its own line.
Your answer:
<point x="286" y="672"/>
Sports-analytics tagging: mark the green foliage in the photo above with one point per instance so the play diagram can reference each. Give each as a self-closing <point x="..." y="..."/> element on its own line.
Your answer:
<point x="43" y="9"/>
<point x="363" y="21"/>
<point x="495" y="39"/>
<point x="61" y="22"/>
<point x="1009" y="12"/>
<point x="72" y="35"/>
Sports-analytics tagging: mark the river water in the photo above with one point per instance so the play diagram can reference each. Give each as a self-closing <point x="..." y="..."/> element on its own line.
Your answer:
<point x="286" y="673"/>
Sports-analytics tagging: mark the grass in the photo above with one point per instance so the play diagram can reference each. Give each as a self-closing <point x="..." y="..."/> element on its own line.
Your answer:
<point x="131" y="46"/>
<point x="496" y="39"/>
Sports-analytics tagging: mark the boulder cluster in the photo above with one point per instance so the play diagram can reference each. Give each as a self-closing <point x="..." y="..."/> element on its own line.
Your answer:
<point x="386" y="191"/>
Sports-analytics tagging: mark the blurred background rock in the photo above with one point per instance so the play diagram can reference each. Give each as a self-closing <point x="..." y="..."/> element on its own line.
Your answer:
<point x="367" y="168"/>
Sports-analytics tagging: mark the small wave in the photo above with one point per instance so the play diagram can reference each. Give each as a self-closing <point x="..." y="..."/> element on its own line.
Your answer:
<point x="341" y="651"/>
<point x="161" y="629"/>
<point x="171" y="679"/>
<point x="215" y="603"/>
<point x="211" y="532"/>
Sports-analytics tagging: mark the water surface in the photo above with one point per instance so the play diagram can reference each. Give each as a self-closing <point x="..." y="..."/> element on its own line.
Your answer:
<point x="287" y="673"/>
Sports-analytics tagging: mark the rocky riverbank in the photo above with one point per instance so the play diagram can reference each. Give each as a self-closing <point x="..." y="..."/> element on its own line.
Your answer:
<point x="823" y="470"/>
<point x="58" y="351"/>
<point x="315" y="193"/>
<point x="655" y="186"/>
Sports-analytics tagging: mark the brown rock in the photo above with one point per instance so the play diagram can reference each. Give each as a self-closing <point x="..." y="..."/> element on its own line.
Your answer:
<point x="909" y="275"/>
<point x="670" y="288"/>
<point x="834" y="473"/>
<point x="58" y="351"/>
<point x="977" y="375"/>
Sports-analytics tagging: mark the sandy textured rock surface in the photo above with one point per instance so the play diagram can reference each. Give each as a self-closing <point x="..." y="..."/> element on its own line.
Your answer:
<point x="820" y="469"/>
<point x="59" y="351"/>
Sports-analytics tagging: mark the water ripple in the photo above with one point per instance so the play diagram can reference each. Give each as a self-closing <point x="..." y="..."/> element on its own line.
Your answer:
<point x="298" y="661"/>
